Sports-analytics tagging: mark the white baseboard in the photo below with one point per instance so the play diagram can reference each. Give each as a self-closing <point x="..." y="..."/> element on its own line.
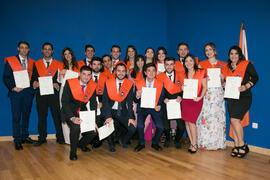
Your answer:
<point x="34" y="137"/>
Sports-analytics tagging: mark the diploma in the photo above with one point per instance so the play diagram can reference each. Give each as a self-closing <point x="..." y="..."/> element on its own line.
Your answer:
<point x="21" y="79"/>
<point x="148" y="98"/>
<point x="214" y="77"/>
<point x="69" y="75"/>
<point x="88" y="121"/>
<point x="173" y="109"/>
<point x="231" y="88"/>
<point x="190" y="88"/>
<point x="98" y="109"/>
<point x="161" y="67"/>
<point x="105" y="130"/>
<point x="45" y="85"/>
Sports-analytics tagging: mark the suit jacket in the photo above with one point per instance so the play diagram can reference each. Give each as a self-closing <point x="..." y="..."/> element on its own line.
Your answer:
<point x="172" y="96"/>
<point x="70" y="105"/>
<point x="9" y="80"/>
<point x="126" y="105"/>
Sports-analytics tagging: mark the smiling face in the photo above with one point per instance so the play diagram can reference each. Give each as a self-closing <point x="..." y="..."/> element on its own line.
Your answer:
<point x="47" y="52"/>
<point x="90" y="53"/>
<point x="120" y="72"/>
<point x="169" y="66"/>
<point x="149" y="54"/>
<point x="161" y="56"/>
<point x="115" y="53"/>
<point x="182" y="51"/>
<point x="210" y="52"/>
<point x="107" y="62"/>
<point x="234" y="56"/>
<point x="140" y="63"/>
<point x="85" y="76"/>
<point x="150" y="72"/>
<point x="189" y="63"/>
<point x="23" y="50"/>
<point x="68" y="56"/>
<point x="96" y="66"/>
<point x="131" y="53"/>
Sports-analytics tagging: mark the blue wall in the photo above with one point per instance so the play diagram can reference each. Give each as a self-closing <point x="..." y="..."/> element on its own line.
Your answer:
<point x="198" y="22"/>
<point x="141" y="23"/>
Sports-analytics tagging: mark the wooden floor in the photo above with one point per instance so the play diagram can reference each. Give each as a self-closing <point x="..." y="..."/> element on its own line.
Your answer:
<point x="51" y="161"/>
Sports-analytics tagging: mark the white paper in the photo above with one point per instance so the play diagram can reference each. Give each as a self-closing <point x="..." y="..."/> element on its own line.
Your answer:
<point x="190" y="88"/>
<point x="214" y="77"/>
<point x="173" y="109"/>
<point x="88" y="121"/>
<point x="106" y="130"/>
<point x="161" y="67"/>
<point x="148" y="98"/>
<point x="98" y="109"/>
<point x="45" y="85"/>
<point x="69" y="75"/>
<point x="231" y="88"/>
<point x="21" y="79"/>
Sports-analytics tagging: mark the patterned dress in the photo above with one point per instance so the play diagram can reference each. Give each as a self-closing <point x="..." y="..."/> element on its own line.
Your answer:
<point x="211" y="123"/>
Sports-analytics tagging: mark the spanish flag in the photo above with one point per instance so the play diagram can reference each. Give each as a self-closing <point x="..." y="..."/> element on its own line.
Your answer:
<point x="243" y="46"/>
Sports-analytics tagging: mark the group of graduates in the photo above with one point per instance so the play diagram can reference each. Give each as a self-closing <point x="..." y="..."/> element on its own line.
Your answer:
<point x="114" y="88"/>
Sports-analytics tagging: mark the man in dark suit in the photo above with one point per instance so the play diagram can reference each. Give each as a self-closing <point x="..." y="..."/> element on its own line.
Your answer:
<point x="76" y="94"/>
<point x="150" y="81"/>
<point x="43" y="68"/>
<point x="172" y="86"/>
<point x="20" y="98"/>
<point x="117" y="105"/>
<point x="89" y="54"/>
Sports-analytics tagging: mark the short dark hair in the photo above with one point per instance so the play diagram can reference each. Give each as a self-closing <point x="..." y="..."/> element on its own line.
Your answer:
<point x="46" y="44"/>
<point x="85" y="68"/>
<point x="96" y="59"/>
<point x="169" y="59"/>
<point x="120" y="64"/>
<point x="146" y="66"/>
<point x="181" y="44"/>
<point x="106" y="55"/>
<point x="116" y="46"/>
<point x="89" y="46"/>
<point x="23" y="42"/>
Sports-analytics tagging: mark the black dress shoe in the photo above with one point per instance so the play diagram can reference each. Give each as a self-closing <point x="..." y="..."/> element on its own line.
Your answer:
<point x="177" y="145"/>
<point x="85" y="149"/>
<point x="139" y="147"/>
<point x="18" y="146"/>
<point x="73" y="157"/>
<point x="96" y="144"/>
<point x="166" y="144"/>
<point x="40" y="142"/>
<point x="156" y="147"/>
<point x="112" y="149"/>
<point x="28" y="140"/>
<point x="60" y="141"/>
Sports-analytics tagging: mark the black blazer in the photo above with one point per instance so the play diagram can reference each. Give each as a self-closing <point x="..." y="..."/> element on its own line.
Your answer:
<point x="70" y="105"/>
<point x="126" y="105"/>
<point x="172" y="96"/>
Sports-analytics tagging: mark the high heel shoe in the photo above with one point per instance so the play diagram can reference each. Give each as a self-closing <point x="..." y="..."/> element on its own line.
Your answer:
<point x="243" y="148"/>
<point x="235" y="153"/>
<point x="196" y="148"/>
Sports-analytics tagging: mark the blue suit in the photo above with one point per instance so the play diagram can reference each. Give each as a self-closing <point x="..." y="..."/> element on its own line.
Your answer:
<point x="21" y="104"/>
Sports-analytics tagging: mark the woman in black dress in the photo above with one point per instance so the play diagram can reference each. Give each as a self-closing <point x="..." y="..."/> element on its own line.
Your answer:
<point x="239" y="66"/>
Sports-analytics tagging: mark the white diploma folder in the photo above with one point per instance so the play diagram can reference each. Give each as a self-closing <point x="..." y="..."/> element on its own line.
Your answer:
<point x="88" y="121"/>
<point x="105" y="130"/>
<point x="98" y="109"/>
<point x="190" y="88"/>
<point x="21" y="79"/>
<point x="231" y="88"/>
<point x="173" y="109"/>
<point x="45" y="85"/>
<point x="148" y="98"/>
<point x="161" y="67"/>
<point x="214" y="77"/>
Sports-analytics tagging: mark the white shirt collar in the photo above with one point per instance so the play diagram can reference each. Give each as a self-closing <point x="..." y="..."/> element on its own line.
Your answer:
<point x="147" y="83"/>
<point x="21" y="58"/>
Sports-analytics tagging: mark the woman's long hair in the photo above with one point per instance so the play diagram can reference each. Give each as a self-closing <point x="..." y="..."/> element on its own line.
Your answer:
<point x="136" y="68"/>
<point x="73" y="59"/>
<point x="241" y="56"/>
<point x="127" y="57"/>
<point x="195" y="64"/>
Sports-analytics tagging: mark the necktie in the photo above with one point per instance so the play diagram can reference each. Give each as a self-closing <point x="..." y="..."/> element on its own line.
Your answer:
<point x="88" y="62"/>
<point x="149" y="85"/>
<point x="23" y="64"/>
<point x="119" y="103"/>
<point x="48" y="64"/>
<point x="170" y="76"/>
<point x="83" y="86"/>
<point x="96" y="78"/>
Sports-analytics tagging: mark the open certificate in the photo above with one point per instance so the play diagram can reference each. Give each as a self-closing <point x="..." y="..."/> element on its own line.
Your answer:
<point x="148" y="98"/>
<point x="173" y="109"/>
<point x="45" y="85"/>
<point x="71" y="74"/>
<point x="105" y="130"/>
<point x="21" y="79"/>
<point x="88" y="121"/>
<point x="190" y="88"/>
<point x="161" y="67"/>
<point x="214" y="77"/>
<point x="232" y="87"/>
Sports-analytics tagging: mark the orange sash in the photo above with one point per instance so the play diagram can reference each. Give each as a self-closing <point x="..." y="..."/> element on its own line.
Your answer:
<point x="158" y="85"/>
<point x="171" y="87"/>
<point x="112" y="89"/>
<point x="77" y="92"/>
<point x="43" y="71"/>
<point x="15" y="65"/>
<point x="80" y="64"/>
<point x="179" y="66"/>
<point x="100" y="85"/>
<point x="206" y="64"/>
<point x="239" y="71"/>
<point x="108" y="73"/>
